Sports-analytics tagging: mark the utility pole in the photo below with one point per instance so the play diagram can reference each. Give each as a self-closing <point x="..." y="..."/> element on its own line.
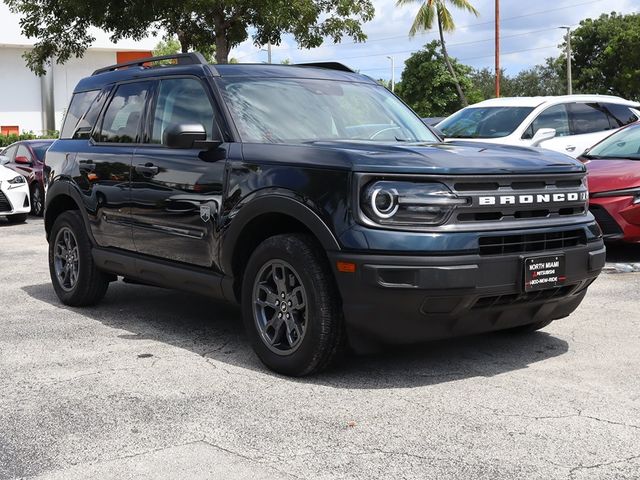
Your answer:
<point x="569" y="79"/>
<point x="497" y="35"/>
<point x="268" y="52"/>
<point x="393" y="74"/>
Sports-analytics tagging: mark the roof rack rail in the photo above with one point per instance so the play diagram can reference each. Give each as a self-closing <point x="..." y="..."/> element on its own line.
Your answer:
<point x="191" y="58"/>
<point x="329" y="65"/>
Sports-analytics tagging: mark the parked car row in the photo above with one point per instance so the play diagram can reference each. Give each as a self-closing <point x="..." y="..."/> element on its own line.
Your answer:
<point x="601" y="130"/>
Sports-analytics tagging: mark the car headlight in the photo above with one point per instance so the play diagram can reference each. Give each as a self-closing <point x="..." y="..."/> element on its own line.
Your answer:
<point x="17" y="180"/>
<point x="400" y="203"/>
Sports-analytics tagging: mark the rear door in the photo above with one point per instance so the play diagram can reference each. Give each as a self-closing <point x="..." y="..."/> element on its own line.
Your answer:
<point x="105" y="164"/>
<point x="590" y="123"/>
<point x="176" y="193"/>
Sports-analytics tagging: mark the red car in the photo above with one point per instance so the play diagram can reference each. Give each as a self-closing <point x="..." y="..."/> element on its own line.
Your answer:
<point x="614" y="184"/>
<point x="27" y="158"/>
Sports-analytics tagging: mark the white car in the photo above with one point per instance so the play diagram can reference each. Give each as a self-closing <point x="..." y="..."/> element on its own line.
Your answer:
<point x="569" y="124"/>
<point x="14" y="194"/>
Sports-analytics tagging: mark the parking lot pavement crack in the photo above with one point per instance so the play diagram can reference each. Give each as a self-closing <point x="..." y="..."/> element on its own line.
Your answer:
<point x="578" y="414"/>
<point x="576" y="469"/>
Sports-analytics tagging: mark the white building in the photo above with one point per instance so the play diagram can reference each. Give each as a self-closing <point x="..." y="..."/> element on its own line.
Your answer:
<point x="27" y="102"/>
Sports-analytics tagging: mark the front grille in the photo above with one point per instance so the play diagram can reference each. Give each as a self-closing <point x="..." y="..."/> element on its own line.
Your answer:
<point x="519" y="298"/>
<point x="609" y="226"/>
<point x="531" y="242"/>
<point x="519" y="198"/>
<point x="5" y="204"/>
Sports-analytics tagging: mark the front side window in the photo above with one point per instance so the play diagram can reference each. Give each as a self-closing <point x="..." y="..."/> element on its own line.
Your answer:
<point x="181" y="101"/>
<point x="622" y="144"/>
<point x="288" y="110"/>
<point x="25" y="153"/>
<point x="588" y="118"/>
<point x="484" y="122"/>
<point x="121" y="120"/>
<point x="79" y="105"/>
<point x="555" y="117"/>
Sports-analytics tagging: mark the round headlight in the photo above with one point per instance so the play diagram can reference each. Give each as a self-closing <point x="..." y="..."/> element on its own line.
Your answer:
<point x="384" y="202"/>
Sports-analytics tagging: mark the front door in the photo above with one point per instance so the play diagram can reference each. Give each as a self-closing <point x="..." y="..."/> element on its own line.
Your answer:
<point x="176" y="193"/>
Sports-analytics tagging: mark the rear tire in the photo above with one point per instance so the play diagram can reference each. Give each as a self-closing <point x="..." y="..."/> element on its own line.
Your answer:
<point x="18" y="218"/>
<point x="74" y="275"/>
<point x="529" y="328"/>
<point x="291" y="307"/>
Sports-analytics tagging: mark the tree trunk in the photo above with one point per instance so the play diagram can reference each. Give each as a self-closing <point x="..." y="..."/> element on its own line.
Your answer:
<point x="183" y="38"/>
<point x="222" y="44"/>
<point x="463" y="99"/>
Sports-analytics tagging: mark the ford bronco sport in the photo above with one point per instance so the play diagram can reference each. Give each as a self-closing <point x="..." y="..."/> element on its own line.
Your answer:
<point x="317" y="200"/>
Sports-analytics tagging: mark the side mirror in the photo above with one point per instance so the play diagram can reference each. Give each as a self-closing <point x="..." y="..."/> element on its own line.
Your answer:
<point x="187" y="136"/>
<point x="22" y="160"/>
<point x="542" y="135"/>
<point x="4" y="160"/>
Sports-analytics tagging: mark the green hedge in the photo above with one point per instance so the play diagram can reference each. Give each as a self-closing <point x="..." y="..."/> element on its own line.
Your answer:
<point x="9" y="139"/>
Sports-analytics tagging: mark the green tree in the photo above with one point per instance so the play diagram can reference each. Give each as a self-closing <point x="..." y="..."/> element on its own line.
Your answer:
<point x="171" y="45"/>
<point x="427" y="85"/>
<point x="437" y="10"/>
<point x="606" y="55"/>
<point x="62" y="27"/>
<point x="546" y="79"/>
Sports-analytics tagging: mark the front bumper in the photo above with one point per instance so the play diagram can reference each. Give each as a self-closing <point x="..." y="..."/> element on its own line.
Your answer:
<point x="618" y="217"/>
<point x="14" y="200"/>
<point x="405" y="299"/>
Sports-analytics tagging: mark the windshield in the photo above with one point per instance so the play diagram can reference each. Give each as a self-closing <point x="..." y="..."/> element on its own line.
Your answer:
<point x="287" y="110"/>
<point x="484" y="122"/>
<point x="623" y="144"/>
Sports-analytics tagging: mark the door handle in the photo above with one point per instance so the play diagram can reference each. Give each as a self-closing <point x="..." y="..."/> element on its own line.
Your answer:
<point x="148" y="169"/>
<point x="570" y="148"/>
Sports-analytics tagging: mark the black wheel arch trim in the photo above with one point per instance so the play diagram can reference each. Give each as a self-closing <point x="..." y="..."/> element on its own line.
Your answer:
<point x="269" y="203"/>
<point x="65" y="187"/>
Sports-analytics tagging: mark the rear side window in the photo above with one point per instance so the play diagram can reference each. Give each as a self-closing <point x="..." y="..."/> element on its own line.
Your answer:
<point x="121" y="121"/>
<point x="181" y="101"/>
<point x="619" y="115"/>
<point x="588" y="118"/>
<point x="80" y="103"/>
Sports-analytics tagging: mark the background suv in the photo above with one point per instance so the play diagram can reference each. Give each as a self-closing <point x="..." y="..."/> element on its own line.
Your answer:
<point x="568" y="124"/>
<point x="27" y="158"/>
<point x="316" y="199"/>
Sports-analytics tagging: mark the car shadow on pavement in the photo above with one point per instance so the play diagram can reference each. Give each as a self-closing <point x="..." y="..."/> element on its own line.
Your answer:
<point x="214" y="331"/>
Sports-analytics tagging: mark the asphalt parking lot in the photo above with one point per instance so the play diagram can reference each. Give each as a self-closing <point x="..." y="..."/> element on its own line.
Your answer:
<point x="159" y="384"/>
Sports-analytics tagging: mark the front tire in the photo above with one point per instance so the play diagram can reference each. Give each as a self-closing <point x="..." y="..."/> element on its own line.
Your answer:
<point x="37" y="200"/>
<point x="18" y="218"/>
<point x="74" y="275"/>
<point x="291" y="307"/>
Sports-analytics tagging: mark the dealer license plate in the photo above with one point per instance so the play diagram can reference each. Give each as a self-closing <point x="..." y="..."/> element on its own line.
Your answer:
<point x="544" y="272"/>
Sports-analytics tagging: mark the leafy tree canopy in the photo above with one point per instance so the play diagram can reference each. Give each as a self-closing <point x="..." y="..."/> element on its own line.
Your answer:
<point x="606" y="55"/>
<point x="428" y="87"/>
<point x="61" y="27"/>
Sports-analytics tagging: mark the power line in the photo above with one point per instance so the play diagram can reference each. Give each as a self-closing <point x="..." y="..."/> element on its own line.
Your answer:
<point x="472" y="58"/>
<point x="502" y="20"/>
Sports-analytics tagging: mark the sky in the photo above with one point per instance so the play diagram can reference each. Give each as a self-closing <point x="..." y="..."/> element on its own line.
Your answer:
<point x="529" y="32"/>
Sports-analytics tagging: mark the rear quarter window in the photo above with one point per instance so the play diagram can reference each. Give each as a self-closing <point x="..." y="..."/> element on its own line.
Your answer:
<point x="80" y="103"/>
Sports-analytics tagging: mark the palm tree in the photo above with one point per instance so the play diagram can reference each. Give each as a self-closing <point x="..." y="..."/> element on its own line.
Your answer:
<point x="431" y="10"/>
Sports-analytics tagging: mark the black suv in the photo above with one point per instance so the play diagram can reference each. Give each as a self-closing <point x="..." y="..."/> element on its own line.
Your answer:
<point x="317" y="200"/>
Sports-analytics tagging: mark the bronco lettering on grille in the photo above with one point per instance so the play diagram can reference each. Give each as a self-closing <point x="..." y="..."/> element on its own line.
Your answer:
<point x="532" y="199"/>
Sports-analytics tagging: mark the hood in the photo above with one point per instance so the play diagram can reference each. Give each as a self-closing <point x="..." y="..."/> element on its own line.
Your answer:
<point x="455" y="158"/>
<point x="7" y="173"/>
<point x="458" y="157"/>
<point x="607" y="175"/>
